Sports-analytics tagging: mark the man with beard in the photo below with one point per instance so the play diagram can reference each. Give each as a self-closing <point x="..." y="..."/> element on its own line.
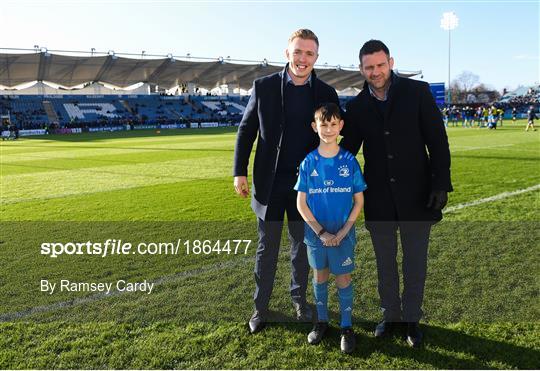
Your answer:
<point x="407" y="171"/>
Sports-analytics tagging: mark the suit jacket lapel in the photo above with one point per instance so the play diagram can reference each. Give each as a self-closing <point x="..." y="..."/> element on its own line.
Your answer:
<point x="314" y="90"/>
<point x="282" y="92"/>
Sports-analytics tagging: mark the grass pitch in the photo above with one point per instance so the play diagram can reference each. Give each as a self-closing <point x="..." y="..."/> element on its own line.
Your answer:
<point x="482" y="296"/>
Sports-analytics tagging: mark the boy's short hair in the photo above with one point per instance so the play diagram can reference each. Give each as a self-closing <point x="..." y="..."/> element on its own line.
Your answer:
<point x="373" y="46"/>
<point x="305" y="34"/>
<point x="327" y="112"/>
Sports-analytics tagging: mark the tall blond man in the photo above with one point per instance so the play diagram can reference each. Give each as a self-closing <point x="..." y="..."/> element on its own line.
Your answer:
<point x="279" y="114"/>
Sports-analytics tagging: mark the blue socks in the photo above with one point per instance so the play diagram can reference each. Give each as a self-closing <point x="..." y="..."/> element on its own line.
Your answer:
<point x="320" y="291"/>
<point x="345" y="296"/>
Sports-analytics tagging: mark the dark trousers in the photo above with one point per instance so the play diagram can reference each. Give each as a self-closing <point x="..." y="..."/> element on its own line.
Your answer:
<point x="414" y="242"/>
<point x="282" y="200"/>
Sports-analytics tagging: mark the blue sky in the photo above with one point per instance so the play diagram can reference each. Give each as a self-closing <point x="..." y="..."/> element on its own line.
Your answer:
<point x="498" y="41"/>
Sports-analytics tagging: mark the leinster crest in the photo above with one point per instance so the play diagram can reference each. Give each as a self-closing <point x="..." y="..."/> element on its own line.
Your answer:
<point x="344" y="171"/>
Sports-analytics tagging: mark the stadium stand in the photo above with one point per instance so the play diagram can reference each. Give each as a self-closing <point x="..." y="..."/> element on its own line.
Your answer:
<point x="142" y="111"/>
<point x="79" y="91"/>
<point x="37" y="112"/>
<point x="521" y="98"/>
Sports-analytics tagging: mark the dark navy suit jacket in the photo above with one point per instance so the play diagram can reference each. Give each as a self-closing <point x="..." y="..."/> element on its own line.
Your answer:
<point x="264" y="120"/>
<point x="406" y="151"/>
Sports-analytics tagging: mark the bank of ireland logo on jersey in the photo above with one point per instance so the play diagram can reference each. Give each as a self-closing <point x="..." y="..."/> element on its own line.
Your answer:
<point x="344" y="171"/>
<point x="328" y="183"/>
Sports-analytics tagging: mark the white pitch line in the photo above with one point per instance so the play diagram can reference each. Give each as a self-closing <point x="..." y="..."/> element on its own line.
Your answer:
<point x="500" y="196"/>
<point x="232" y="263"/>
<point x="465" y="148"/>
<point x="5" y="317"/>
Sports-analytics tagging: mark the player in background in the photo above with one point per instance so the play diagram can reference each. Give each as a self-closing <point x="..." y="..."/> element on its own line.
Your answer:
<point x="473" y="117"/>
<point x="444" y="113"/>
<point x="531" y="116"/>
<point x="492" y="124"/>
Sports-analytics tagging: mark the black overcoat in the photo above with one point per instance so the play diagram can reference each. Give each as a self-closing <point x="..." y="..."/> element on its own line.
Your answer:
<point x="264" y="120"/>
<point x="406" y="152"/>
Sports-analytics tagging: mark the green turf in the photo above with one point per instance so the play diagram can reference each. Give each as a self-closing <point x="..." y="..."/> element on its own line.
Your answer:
<point x="482" y="296"/>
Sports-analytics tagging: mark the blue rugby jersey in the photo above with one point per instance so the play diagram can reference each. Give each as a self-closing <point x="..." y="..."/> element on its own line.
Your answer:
<point x="329" y="184"/>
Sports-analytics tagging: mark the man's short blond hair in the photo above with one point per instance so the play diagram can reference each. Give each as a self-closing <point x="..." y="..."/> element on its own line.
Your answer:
<point x="305" y="34"/>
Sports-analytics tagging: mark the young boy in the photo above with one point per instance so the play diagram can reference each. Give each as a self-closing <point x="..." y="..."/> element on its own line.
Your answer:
<point x="330" y="199"/>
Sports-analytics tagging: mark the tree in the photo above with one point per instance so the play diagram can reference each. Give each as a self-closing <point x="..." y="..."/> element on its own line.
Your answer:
<point x="466" y="81"/>
<point x="492" y="94"/>
<point x="463" y="86"/>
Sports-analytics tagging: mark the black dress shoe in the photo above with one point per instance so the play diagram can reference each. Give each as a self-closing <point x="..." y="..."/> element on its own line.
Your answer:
<point x="256" y="322"/>
<point x="317" y="333"/>
<point x="385" y="328"/>
<point x="348" y="341"/>
<point x="303" y="312"/>
<point x="414" y="335"/>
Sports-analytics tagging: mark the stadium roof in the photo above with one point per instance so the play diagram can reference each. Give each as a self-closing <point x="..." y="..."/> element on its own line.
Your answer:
<point x="166" y="72"/>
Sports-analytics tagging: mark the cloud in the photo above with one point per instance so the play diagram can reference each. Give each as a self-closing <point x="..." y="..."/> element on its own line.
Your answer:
<point x="526" y="57"/>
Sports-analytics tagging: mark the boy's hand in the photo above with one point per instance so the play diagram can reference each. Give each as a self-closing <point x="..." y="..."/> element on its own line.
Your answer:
<point x="339" y="237"/>
<point x="328" y="239"/>
<point x="241" y="186"/>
